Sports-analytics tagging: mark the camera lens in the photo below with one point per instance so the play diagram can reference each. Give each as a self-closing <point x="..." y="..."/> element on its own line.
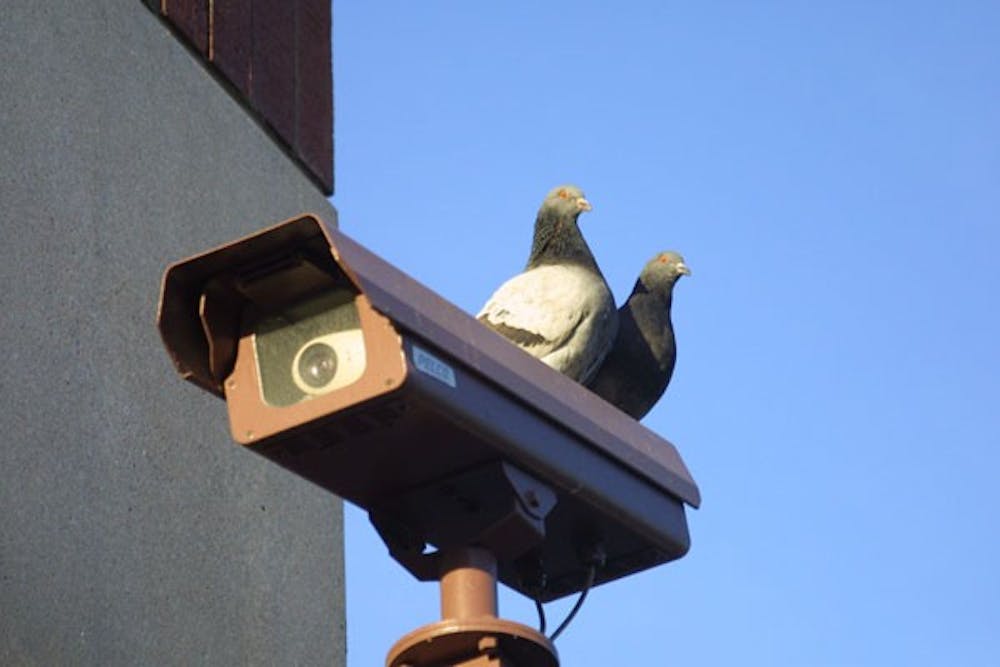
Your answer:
<point x="318" y="365"/>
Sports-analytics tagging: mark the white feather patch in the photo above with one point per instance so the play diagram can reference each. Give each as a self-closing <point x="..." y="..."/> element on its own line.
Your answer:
<point x="568" y="308"/>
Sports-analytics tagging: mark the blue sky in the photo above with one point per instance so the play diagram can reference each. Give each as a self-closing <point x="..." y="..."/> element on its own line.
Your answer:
<point x="831" y="175"/>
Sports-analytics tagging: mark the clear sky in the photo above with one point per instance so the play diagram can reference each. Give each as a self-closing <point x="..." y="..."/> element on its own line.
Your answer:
<point x="831" y="172"/>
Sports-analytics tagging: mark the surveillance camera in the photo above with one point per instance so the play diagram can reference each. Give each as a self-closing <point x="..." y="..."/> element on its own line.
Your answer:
<point x="342" y="369"/>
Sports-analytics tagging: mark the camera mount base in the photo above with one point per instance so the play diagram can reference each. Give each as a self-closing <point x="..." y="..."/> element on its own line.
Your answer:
<point x="470" y="634"/>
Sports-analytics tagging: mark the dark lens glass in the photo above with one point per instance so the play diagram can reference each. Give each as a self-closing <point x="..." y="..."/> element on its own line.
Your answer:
<point x="318" y="365"/>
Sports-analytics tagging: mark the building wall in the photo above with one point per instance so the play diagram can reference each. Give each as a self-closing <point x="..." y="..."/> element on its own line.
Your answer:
<point x="133" y="531"/>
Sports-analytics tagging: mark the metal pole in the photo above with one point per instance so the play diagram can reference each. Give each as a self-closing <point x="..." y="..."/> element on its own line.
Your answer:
<point x="468" y="584"/>
<point x="470" y="634"/>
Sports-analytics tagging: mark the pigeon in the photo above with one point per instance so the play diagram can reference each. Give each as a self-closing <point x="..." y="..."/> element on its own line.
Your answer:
<point x="559" y="309"/>
<point x="637" y="370"/>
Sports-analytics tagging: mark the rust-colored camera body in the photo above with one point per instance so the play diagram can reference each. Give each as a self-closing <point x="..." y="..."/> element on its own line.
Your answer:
<point x="342" y="369"/>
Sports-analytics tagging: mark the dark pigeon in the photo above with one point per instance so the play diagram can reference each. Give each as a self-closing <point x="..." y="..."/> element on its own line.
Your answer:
<point x="559" y="309"/>
<point x="637" y="370"/>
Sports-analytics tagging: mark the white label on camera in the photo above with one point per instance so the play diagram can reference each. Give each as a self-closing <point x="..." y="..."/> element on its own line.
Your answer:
<point x="437" y="369"/>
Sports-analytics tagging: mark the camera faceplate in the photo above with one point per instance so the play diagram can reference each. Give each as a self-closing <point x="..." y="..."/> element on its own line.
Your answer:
<point x="309" y="348"/>
<point x="253" y="418"/>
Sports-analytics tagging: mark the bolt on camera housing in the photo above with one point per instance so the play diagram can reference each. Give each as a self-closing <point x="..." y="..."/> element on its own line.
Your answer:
<point x="339" y="367"/>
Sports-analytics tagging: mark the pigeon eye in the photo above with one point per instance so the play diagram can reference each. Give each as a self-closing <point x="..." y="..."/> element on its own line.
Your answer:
<point x="562" y="194"/>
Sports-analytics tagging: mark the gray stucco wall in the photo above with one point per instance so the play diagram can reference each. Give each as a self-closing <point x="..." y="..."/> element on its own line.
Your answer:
<point x="132" y="530"/>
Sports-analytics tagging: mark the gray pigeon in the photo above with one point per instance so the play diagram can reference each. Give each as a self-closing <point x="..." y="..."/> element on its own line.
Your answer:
<point x="637" y="370"/>
<point x="559" y="309"/>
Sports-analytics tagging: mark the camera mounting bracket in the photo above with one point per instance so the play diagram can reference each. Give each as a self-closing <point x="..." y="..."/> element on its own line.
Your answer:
<point x="495" y="506"/>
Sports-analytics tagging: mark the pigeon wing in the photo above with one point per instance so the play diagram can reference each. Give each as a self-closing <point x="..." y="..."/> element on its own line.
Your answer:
<point x="538" y="310"/>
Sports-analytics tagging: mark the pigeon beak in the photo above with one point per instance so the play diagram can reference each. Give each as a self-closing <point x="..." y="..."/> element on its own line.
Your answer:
<point x="683" y="269"/>
<point x="584" y="205"/>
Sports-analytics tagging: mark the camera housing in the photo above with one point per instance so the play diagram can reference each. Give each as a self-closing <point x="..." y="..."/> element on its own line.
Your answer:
<point x="339" y="367"/>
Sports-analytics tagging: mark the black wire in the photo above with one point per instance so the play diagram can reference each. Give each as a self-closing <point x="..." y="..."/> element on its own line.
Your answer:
<point x="591" y="573"/>
<point x="541" y="616"/>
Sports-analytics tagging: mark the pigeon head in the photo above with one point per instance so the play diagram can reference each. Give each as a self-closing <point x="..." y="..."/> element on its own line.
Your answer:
<point x="661" y="272"/>
<point x="565" y="201"/>
<point x="557" y="238"/>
